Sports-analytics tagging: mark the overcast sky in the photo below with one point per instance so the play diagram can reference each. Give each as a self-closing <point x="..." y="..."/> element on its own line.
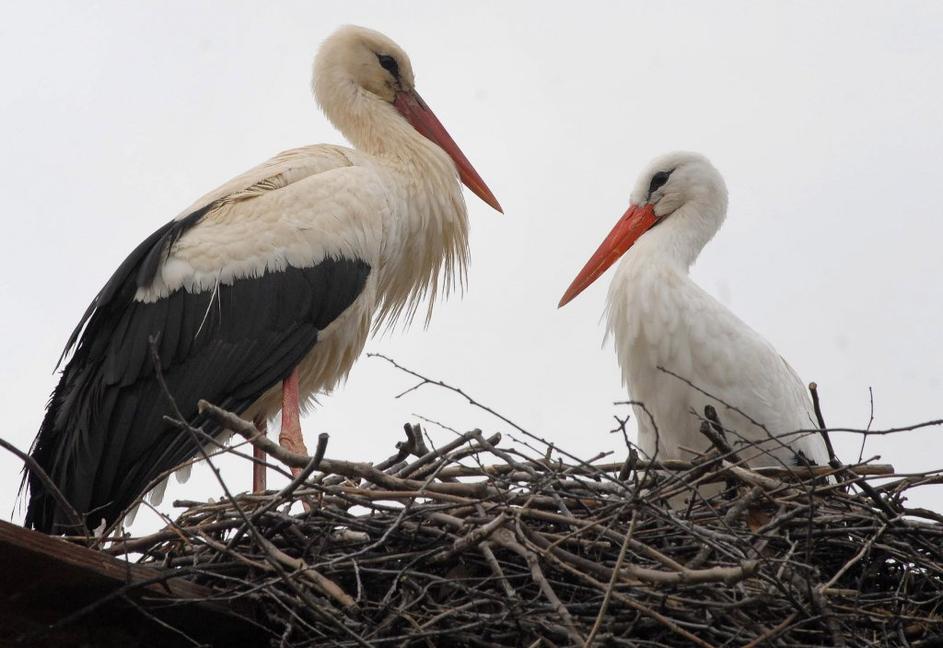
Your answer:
<point x="826" y="120"/>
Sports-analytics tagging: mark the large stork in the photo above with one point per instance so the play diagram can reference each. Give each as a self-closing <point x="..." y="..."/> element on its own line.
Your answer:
<point x="263" y="292"/>
<point x="676" y="344"/>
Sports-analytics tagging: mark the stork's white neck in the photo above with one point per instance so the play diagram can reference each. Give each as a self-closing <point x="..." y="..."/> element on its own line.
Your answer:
<point x="649" y="295"/>
<point x="368" y="122"/>
<point x="427" y="248"/>
<point x="677" y="241"/>
<point x="428" y="237"/>
<point x="651" y="285"/>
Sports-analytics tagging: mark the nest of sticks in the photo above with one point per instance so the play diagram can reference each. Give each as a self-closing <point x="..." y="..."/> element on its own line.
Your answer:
<point x="497" y="541"/>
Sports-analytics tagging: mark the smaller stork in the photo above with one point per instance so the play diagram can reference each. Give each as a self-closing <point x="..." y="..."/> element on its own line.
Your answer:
<point x="664" y="322"/>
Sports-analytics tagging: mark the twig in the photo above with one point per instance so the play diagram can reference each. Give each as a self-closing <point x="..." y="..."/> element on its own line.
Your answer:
<point x="814" y="390"/>
<point x="612" y="582"/>
<point x="75" y="520"/>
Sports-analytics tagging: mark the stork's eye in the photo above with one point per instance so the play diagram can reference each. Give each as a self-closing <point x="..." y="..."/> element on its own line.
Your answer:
<point x="389" y="64"/>
<point x="658" y="181"/>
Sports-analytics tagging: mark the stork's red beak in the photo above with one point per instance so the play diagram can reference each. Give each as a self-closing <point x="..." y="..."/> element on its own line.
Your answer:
<point x="414" y="109"/>
<point x="635" y="222"/>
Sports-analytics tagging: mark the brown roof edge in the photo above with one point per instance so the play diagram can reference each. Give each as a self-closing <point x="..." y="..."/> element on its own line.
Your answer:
<point x="44" y="580"/>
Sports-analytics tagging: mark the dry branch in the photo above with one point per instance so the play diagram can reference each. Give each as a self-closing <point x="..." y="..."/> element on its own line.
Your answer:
<point x="485" y="542"/>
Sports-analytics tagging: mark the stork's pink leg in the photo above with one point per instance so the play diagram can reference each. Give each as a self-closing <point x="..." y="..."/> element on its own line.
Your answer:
<point x="290" y="436"/>
<point x="258" y="469"/>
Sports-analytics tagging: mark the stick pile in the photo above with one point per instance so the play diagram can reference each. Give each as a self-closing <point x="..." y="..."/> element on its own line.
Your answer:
<point x="487" y="543"/>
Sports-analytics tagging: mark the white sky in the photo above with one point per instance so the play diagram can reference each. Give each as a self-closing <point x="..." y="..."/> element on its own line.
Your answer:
<point x="826" y="120"/>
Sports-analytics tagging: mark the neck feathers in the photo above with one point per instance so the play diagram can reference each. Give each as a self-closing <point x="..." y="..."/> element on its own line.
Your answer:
<point x="425" y="249"/>
<point x="678" y="240"/>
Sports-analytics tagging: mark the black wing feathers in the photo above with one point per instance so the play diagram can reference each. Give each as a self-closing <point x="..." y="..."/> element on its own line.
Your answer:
<point x="143" y="262"/>
<point x="103" y="439"/>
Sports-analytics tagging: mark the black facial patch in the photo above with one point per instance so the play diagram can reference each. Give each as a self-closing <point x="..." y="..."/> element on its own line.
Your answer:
<point x="389" y="64"/>
<point x="658" y="181"/>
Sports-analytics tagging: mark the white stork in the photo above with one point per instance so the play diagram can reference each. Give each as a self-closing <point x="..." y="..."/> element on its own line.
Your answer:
<point x="661" y="319"/>
<point x="263" y="292"/>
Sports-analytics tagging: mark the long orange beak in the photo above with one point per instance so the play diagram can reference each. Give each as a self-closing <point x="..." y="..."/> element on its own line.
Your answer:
<point x="414" y="109"/>
<point x="635" y="222"/>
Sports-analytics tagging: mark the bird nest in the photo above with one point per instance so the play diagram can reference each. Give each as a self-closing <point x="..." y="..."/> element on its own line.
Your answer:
<point x="496" y="541"/>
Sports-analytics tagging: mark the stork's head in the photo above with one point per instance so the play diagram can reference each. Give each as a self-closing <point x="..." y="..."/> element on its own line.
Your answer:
<point x="680" y="188"/>
<point x="365" y="59"/>
<point x="361" y="67"/>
